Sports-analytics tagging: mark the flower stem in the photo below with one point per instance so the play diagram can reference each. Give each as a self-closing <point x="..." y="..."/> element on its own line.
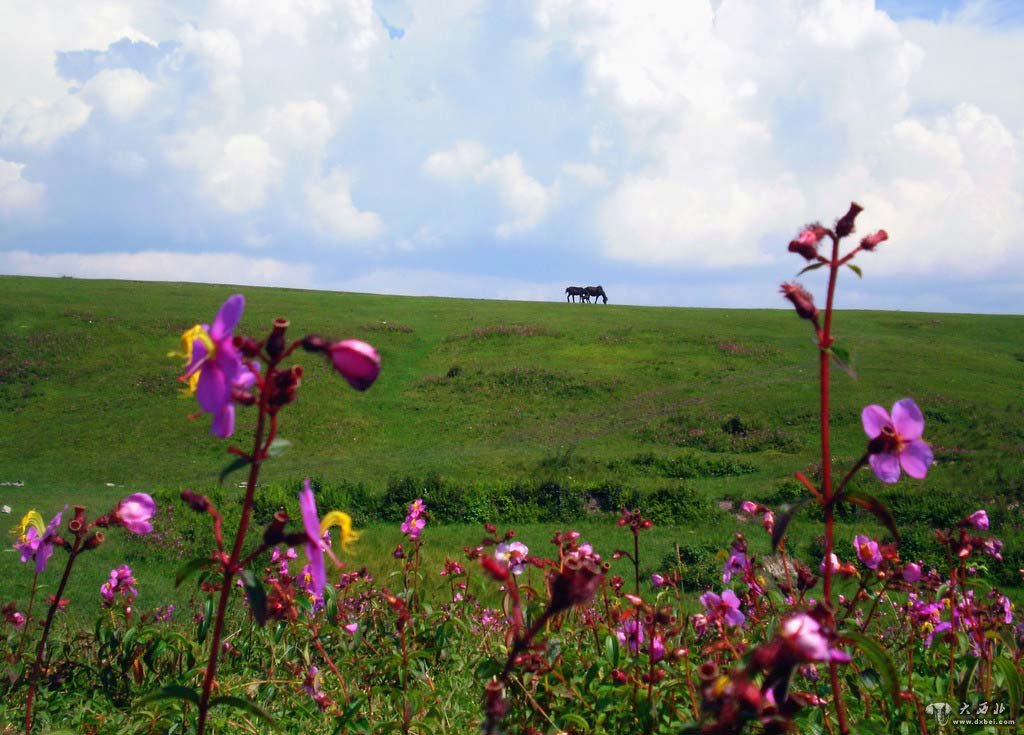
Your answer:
<point x="38" y="664"/>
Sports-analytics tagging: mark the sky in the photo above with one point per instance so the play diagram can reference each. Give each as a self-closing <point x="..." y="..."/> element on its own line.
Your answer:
<point x="665" y="149"/>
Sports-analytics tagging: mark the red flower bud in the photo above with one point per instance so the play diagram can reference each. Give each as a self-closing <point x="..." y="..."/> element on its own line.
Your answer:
<point x="357" y="361"/>
<point x="869" y="242"/>
<point x="806" y="243"/>
<point x="802" y="301"/>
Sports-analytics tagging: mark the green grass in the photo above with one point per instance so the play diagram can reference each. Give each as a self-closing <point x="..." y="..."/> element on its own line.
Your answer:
<point x="494" y="392"/>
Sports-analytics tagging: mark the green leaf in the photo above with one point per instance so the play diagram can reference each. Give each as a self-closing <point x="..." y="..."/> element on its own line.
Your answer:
<point x="782" y="522"/>
<point x="1012" y="680"/>
<point x="191" y="567"/>
<point x="874" y="506"/>
<point x="811" y="267"/>
<point x="237" y="464"/>
<point x="842" y="359"/>
<point x="173" y="691"/>
<point x="856" y="269"/>
<point x="970" y="667"/>
<point x="245" y="705"/>
<point x="611" y="650"/>
<point x="278" y="447"/>
<point x="257" y="596"/>
<point x="883" y="664"/>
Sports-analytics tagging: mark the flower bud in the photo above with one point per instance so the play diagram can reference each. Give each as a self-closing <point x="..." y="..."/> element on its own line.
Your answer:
<point x="247" y="346"/>
<point x="93" y="541"/>
<point x="869" y="242"/>
<point x="356" y="361"/>
<point x="806" y="243"/>
<point x="314" y="343"/>
<point x="845" y="224"/>
<point x="198" y="503"/>
<point x="275" y="342"/>
<point x="802" y="301"/>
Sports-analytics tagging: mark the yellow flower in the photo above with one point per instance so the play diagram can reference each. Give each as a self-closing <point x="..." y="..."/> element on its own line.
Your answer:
<point x="342" y="521"/>
<point x="32" y="519"/>
<point x="188" y="337"/>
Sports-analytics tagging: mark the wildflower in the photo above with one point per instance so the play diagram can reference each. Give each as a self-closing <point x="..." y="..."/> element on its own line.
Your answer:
<point x="748" y="506"/>
<point x="657" y="580"/>
<point x="314" y="545"/>
<point x="631" y="634"/>
<point x="911" y="572"/>
<point x="343" y="521"/>
<point x="736" y="563"/>
<point x="833" y="561"/>
<point x="414" y="522"/>
<point x="724" y="607"/>
<point x="867" y="551"/>
<point x="806" y="639"/>
<point x="513" y="554"/>
<point x="896" y="441"/>
<point x="806" y="243"/>
<point x="218" y="363"/>
<point x="189" y="336"/>
<point x="768" y="521"/>
<point x="121" y="583"/>
<point x="356" y="361"/>
<point x="135" y="511"/>
<point x="312" y="688"/>
<point x="575" y="582"/>
<point x="37" y="541"/>
<point x="802" y="301"/>
<point x="870" y="242"/>
<point x="978" y="519"/>
<point x="351" y="628"/>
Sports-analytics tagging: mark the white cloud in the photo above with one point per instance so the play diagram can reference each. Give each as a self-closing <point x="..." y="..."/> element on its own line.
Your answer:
<point x="161" y="265"/>
<point x="428" y="282"/>
<point x="586" y="175"/>
<point x="124" y="92"/>
<point x="17" y="194"/>
<point x="37" y="123"/>
<point x="522" y="197"/>
<point x="300" y="125"/>
<point x="236" y="172"/>
<point x="329" y="201"/>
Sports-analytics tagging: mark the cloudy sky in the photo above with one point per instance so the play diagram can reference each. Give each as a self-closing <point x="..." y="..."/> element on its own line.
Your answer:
<point x="667" y="149"/>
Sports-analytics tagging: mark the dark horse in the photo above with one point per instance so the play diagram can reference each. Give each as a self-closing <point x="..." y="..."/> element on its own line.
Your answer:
<point x="596" y="292"/>
<point x="573" y="291"/>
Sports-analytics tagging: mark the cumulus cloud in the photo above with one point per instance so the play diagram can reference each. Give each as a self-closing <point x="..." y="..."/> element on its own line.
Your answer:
<point x="123" y="92"/>
<point x="236" y="172"/>
<point x="161" y="265"/>
<point x="17" y="194"/>
<point x="300" y="124"/>
<point x="329" y="201"/>
<point x="38" y="123"/>
<point x="524" y="199"/>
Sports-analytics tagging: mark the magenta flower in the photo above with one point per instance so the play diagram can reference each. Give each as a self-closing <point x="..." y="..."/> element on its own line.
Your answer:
<point x="657" y="580"/>
<point x="220" y="367"/>
<point x="805" y="637"/>
<point x="135" y="511"/>
<point x="356" y="361"/>
<point x="748" y="506"/>
<point x="37" y="543"/>
<point x="833" y="561"/>
<point x="725" y="607"/>
<point x="896" y="441"/>
<point x="314" y="545"/>
<point x="414" y="522"/>
<point x="513" y="554"/>
<point x="122" y="583"/>
<point x="867" y="551"/>
<point x="911" y="572"/>
<point x="979" y="520"/>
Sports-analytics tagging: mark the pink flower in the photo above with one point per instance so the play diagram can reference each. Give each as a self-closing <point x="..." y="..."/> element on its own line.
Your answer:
<point x="867" y="551"/>
<point x="38" y="541"/>
<point x="351" y="628"/>
<point x="833" y="561"/>
<point x="871" y="241"/>
<point x="911" y="572"/>
<point x="806" y="243"/>
<point x="135" y="511"/>
<point x="896" y="441"/>
<point x="220" y="367"/>
<point x="356" y="361"/>
<point x="748" y="506"/>
<point x="725" y="607"/>
<point x="804" y="636"/>
<point x="513" y="554"/>
<point x="314" y="545"/>
<point x="122" y="583"/>
<point x="657" y="580"/>
<point x="979" y="520"/>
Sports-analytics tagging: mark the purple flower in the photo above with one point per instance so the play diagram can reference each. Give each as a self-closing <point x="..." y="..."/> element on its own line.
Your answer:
<point x="220" y="367"/>
<point x="513" y="554"/>
<point x="122" y="583"/>
<point x="896" y="441"/>
<point x="979" y="520"/>
<point x="657" y="580"/>
<point x="736" y="563"/>
<point x="725" y="607"/>
<point x="314" y="545"/>
<point x="867" y="551"/>
<point x="748" y="506"/>
<point x="356" y="361"/>
<point x="415" y="522"/>
<point x="135" y="511"/>
<point x="912" y="572"/>
<point x="37" y="542"/>
<point x="804" y="636"/>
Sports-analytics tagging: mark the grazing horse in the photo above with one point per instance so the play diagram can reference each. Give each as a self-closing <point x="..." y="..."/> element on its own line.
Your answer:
<point x="573" y="291"/>
<point x="596" y="292"/>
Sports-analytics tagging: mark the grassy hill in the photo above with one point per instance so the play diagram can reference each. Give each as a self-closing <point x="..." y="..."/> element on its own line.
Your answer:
<point x="723" y="401"/>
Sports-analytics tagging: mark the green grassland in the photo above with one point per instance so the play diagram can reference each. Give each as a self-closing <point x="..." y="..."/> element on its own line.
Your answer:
<point x="722" y="402"/>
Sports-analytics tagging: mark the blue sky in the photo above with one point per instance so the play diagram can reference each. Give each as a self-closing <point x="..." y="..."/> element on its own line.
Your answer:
<point x="667" y="149"/>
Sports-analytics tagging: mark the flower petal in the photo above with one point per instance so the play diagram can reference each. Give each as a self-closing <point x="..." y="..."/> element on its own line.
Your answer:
<point x="915" y="458"/>
<point x="224" y="421"/>
<point x="213" y="391"/>
<point x="886" y="467"/>
<point x="908" y="419"/>
<point x="229" y="315"/>
<point x="311" y="524"/>
<point x="875" y="418"/>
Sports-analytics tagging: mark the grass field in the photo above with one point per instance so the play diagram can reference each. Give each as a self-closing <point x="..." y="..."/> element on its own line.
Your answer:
<point x="723" y="401"/>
